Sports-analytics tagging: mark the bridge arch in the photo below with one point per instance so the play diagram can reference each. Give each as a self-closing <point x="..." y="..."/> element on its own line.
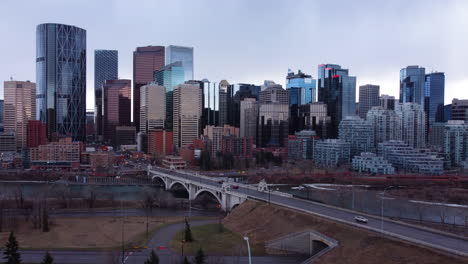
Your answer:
<point x="159" y="178"/>
<point x="178" y="182"/>
<point x="234" y="206"/>
<point x="218" y="198"/>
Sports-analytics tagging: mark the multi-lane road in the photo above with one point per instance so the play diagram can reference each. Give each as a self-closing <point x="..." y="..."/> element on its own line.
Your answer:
<point x="414" y="234"/>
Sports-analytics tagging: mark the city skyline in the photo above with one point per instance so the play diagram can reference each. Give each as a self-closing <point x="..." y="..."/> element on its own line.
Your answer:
<point x="398" y="38"/>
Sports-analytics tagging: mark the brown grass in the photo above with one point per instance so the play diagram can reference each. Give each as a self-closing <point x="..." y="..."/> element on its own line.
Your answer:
<point x="262" y="222"/>
<point x="87" y="232"/>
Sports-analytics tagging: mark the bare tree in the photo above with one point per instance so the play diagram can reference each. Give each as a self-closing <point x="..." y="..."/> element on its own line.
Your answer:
<point x="89" y="196"/>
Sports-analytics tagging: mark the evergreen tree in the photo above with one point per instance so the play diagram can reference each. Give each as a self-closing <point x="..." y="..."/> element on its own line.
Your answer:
<point x="45" y="220"/>
<point x="185" y="261"/>
<point x="188" y="232"/>
<point x="153" y="258"/>
<point x="47" y="259"/>
<point x="200" y="257"/>
<point x="10" y="254"/>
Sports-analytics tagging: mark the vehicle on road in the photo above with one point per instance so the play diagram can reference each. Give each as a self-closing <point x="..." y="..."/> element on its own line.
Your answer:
<point x="235" y="187"/>
<point x="360" y="219"/>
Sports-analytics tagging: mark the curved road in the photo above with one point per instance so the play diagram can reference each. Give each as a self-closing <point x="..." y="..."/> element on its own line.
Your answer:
<point x="159" y="242"/>
<point x="417" y="235"/>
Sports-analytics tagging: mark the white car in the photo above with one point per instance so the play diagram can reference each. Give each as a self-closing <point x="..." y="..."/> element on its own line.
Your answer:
<point x="360" y="219"/>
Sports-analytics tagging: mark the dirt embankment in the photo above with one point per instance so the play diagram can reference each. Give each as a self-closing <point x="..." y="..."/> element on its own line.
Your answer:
<point x="262" y="222"/>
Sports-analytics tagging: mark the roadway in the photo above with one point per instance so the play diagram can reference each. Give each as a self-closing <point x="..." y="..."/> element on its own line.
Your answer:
<point x="159" y="242"/>
<point x="421" y="236"/>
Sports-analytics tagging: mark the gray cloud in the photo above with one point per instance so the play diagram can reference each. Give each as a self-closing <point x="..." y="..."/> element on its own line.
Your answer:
<point x="249" y="41"/>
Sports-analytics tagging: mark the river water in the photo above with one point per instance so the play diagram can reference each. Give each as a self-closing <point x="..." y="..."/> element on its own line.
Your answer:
<point x="357" y="198"/>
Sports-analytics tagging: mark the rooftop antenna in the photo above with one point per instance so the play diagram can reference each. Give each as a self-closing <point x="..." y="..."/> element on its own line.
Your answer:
<point x="11" y="78"/>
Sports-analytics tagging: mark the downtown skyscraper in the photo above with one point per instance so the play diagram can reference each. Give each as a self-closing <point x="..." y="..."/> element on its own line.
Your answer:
<point x="146" y="60"/>
<point x="434" y="97"/>
<point x="183" y="55"/>
<point x="412" y="79"/>
<point x="338" y="90"/>
<point x="106" y="63"/>
<point x="368" y="97"/>
<point x="61" y="79"/>
<point x="117" y="107"/>
<point x="19" y="107"/>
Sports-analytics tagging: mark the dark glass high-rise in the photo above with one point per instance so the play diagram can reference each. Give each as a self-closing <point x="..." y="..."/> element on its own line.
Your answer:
<point x="61" y="79"/>
<point x="106" y="63"/>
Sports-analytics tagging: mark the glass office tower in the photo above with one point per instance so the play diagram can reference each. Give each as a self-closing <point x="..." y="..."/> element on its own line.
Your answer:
<point x="305" y="82"/>
<point x="412" y="79"/>
<point x="183" y="55"/>
<point x="169" y="76"/>
<point x="61" y="79"/>
<point x="106" y="63"/>
<point x="434" y="97"/>
<point x="338" y="90"/>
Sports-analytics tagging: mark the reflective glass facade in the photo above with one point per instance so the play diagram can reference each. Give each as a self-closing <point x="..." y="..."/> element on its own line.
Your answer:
<point x="338" y="90"/>
<point x="304" y="81"/>
<point x="412" y="79"/>
<point x="106" y="63"/>
<point x="61" y="79"/>
<point x="435" y="96"/>
<point x="183" y="55"/>
<point x="169" y="76"/>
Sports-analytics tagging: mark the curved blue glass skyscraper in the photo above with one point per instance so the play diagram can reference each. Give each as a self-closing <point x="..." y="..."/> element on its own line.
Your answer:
<point x="61" y="79"/>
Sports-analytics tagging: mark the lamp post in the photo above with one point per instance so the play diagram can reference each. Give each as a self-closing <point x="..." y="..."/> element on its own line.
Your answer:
<point x="248" y="248"/>
<point x="382" y="207"/>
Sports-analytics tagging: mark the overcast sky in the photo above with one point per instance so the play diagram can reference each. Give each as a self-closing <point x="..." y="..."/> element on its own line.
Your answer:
<point x="253" y="40"/>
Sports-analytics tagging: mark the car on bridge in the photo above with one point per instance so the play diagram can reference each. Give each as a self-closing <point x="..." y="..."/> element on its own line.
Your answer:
<point x="360" y="219"/>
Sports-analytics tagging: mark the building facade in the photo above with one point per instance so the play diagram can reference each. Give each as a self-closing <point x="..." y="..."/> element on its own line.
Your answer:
<point x="146" y="60"/>
<point x="386" y="124"/>
<point x="19" y="109"/>
<point x="412" y="90"/>
<point x="368" y="98"/>
<point x="272" y="124"/>
<point x="371" y="163"/>
<point x="160" y="142"/>
<point x="305" y="83"/>
<point x="169" y="76"/>
<point x="338" y="91"/>
<point x="36" y="134"/>
<point x="152" y="107"/>
<point x="183" y="55"/>
<point x="434" y="97"/>
<point x="186" y="114"/>
<point x="61" y="79"/>
<point x="117" y="107"/>
<point x="358" y="132"/>
<point x="459" y="109"/>
<point x="314" y="116"/>
<point x="387" y="102"/>
<point x="455" y="142"/>
<point x="413" y="124"/>
<point x="410" y="160"/>
<point x="248" y="118"/>
<point x="331" y="152"/>
<point x="106" y="67"/>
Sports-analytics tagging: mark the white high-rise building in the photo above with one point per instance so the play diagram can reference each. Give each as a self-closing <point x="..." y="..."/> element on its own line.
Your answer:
<point x="187" y="105"/>
<point x="456" y="142"/>
<point x="386" y="124"/>
<point x="20" y="107"/>
<point x="413" y="124"/>
<point x="358" y="133"/>
<point x="152" y="107"/>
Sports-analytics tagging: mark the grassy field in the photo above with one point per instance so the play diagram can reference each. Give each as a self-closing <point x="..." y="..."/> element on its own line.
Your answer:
<point x="213" y="242"/>
<point x="89" y="232"/>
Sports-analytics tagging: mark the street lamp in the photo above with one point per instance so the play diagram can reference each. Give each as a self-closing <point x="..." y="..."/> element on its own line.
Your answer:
<point x="382" y="207"/>
<point x="248" y="248"/>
